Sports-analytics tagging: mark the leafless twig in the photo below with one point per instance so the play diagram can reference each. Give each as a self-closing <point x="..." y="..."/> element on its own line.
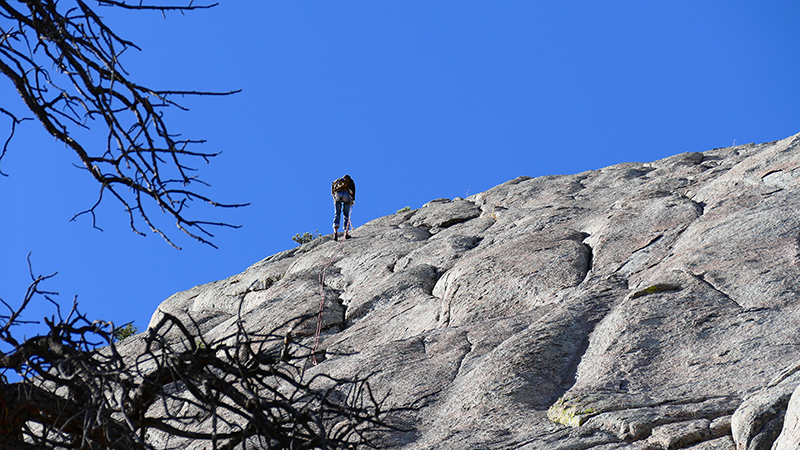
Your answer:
<point x="65" y="63"/>
<point x="81" y="391"/>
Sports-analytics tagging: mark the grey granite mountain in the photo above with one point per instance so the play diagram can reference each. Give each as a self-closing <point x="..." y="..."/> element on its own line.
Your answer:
<point x="642" y="306"/>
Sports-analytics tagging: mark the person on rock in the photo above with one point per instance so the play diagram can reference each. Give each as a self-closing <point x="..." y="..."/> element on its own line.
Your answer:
<point x="343" y="191"/>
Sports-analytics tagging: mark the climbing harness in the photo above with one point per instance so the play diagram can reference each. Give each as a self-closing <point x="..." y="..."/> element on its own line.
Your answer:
<point x="348" y="227"/>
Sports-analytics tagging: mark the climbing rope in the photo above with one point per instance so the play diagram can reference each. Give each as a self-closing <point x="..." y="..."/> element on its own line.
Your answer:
<point x="347" y="228"/>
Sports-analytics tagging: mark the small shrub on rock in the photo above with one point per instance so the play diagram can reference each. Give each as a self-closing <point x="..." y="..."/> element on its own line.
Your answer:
<point x="305" y="237"/>
<point x="125" y="332"/>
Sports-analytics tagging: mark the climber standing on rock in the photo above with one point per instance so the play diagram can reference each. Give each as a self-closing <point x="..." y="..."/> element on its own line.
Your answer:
<point x="343" y="191"/>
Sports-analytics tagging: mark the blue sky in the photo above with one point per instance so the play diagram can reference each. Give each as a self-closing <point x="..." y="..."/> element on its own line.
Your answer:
<point x="416" y="100"/>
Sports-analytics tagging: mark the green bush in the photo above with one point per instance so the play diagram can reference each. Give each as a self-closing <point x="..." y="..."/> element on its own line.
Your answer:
<point x="305" y="237"/>
<point x="125" y="332"/>
<point x="406" y="209"/>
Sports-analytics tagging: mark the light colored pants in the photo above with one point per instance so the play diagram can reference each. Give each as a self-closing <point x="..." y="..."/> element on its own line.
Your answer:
<point x="342" y="202"/>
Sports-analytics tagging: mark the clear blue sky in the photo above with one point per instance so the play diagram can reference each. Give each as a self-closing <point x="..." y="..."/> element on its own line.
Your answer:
<point x="416" y="100"/>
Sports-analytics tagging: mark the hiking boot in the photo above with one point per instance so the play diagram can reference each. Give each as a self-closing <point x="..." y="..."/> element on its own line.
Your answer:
<point x="347" y="235"/>
<point x="335" y="235"/>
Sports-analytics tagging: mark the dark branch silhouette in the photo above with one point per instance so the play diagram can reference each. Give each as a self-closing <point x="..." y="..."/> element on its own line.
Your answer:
<point x="80" y="391"/>
<point x="65" y="64"/>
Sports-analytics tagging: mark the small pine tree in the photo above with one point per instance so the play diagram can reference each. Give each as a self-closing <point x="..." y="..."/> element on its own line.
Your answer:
<point x="305" y="237"/>
<point x="125" y="332"/>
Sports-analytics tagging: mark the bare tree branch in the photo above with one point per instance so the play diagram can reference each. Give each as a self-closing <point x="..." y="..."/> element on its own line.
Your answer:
<point x="14" y="122"/>
<point x="157" y="8"/>
<point x="80" y="391"/>
<point x="144" y="165"/>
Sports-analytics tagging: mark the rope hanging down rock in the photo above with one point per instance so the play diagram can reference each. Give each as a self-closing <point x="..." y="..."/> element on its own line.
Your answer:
<point x="348" y="227"/>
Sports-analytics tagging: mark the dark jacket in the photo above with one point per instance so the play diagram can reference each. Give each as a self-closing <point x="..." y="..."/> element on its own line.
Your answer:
<point x="350" y="186"/>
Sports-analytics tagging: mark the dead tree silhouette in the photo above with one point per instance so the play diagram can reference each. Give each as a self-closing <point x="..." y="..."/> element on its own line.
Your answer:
<point x="175" y="389"/>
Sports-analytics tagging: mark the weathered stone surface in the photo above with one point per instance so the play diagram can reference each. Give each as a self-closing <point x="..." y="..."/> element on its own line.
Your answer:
<point x="790" y="435"/>
<point x="682" y="434"/>
<point x="444" y="213"/>
<point x="639" y="306"/>
<point x="758" y="421"/>
<point x="512" y="276"/>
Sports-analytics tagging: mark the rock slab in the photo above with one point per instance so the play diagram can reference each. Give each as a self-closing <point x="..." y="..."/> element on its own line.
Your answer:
<point x="643" y="305"/>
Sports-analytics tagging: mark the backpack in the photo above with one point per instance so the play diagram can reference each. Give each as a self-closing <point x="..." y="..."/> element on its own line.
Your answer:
<point x="339" y="185"/>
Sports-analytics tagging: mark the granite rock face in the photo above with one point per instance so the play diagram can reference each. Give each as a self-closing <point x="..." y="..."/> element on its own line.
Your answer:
<point x="643" y="305"/>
